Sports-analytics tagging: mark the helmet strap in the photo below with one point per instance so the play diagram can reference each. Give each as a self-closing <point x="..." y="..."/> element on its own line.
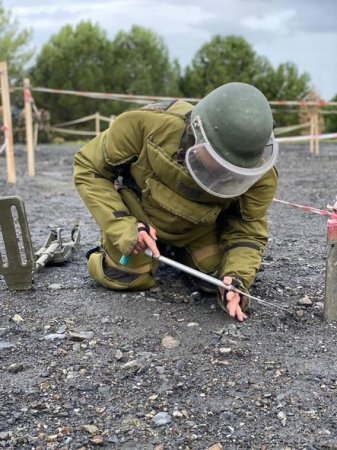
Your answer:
<point x="186" y="141"/>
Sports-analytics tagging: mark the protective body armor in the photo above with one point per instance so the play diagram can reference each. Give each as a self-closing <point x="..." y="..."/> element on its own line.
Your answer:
<point x="141" y="151"/>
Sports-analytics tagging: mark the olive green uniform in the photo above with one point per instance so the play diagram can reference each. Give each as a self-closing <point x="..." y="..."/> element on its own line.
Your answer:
<point x="135" y="171"/>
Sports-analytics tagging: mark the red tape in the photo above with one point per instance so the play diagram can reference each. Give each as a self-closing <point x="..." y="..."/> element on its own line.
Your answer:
<point x="27" y="96"/>
<point x="332" y="231"/>
<point x="321" y="212"/>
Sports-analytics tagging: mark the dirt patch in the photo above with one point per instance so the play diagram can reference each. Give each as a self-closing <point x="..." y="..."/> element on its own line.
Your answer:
<point x="88" y="368"/>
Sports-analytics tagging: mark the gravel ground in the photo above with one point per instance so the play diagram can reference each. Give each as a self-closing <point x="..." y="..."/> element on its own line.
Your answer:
<point x="84" y="368"/>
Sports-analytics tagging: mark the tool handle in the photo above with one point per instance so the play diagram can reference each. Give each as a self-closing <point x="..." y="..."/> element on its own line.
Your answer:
<point x="46" y="255"/>
<point x="209" y="279"/>
<point x="190" y="271"/>
<point x="124" y="261"/>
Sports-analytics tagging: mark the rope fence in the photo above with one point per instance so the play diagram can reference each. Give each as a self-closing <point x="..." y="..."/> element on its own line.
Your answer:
<point x="312" y="107"/>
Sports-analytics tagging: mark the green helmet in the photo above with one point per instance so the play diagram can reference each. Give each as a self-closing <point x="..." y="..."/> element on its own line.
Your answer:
<point x="234" y="144"/>
<point x="237" y="121"/>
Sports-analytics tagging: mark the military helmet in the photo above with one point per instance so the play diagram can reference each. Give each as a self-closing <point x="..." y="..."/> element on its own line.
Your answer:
<point x="234" y="143"/>
<point x="238" y="122"/>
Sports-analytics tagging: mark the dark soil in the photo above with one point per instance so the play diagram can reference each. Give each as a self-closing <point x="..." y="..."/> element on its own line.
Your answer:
<point x="269" y="383"/>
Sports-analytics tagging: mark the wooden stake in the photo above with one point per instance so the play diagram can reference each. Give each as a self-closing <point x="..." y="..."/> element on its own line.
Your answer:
<point x="97" y="123"/>
<point x="29" y="127"/>
<point x="316" y="133"/>
<point x="312" y="132"/>
<point x="7" y="116"/>
<point x="330" y="302"/>
<point x="36" y="134"/>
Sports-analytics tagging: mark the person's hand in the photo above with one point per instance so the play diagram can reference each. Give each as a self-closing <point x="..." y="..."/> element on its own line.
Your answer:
<point x="147" y="237"/>
<point x="232" y="301"/>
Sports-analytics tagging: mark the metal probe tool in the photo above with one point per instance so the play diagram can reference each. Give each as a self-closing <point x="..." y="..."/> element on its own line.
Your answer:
<point x="209" y="279"/>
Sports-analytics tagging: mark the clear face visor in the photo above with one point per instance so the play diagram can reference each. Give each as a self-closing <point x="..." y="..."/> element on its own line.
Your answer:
<point x="219" y="177"/>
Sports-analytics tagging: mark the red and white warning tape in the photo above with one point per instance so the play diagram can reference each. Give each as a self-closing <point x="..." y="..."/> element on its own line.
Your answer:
<point x="148" y="98"/>
<point x="321" y="212"/>
<point x="141" y="99"/>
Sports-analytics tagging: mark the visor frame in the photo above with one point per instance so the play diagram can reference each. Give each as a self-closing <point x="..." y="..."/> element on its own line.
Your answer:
<point x="268" y="164"/>
<point x="232" y="187"/>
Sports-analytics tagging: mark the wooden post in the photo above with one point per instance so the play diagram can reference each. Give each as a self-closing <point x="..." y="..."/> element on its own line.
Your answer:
<point x="330" y="302"/>
<point x="316" y="132"/>
<point x="97" y="123"/>
<point x="36" y="134"/>
<point x="7" y="116"/>
<point x="312" y="131"/>
<point x="112" y="118"/>
<point x="29" y="127"/>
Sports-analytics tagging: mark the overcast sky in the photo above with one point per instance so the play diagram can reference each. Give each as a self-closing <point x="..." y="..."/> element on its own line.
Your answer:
<point x="300" y="31"/>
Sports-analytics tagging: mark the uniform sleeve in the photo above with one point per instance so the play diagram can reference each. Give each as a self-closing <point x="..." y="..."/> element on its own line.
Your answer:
<point x="95" y="171"/>
<point x="244" y="234"/>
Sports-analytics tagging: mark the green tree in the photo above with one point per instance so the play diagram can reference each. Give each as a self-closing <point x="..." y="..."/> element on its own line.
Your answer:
<point x="232" y="58"/>
<point x="141" y="65"/>
<point x="14" y="45"/>
<point x="223" y="60"/>
<point x="287" y="84"/>
<point x="74" y="59"/>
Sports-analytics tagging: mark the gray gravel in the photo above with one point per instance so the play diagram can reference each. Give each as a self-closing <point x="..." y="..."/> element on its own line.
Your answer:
<point x="81" y="367"/>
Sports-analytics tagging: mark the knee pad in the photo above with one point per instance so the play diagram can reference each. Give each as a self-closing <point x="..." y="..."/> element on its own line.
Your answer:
<point x="106" y="273"/>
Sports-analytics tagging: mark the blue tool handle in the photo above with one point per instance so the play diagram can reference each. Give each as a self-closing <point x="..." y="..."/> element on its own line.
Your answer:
<point x="124" y="261"/>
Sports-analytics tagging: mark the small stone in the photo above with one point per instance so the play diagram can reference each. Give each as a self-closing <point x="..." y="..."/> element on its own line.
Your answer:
<point x="162" y="418"/>
<point x="5" y="345"/>
<point x="52" y="437"/>
<point x="225" y="350"/>
<point x="282" y="417"/>
<point x="113" y="439"/>
<point x="196" y="295"/>
<point x="17" y="319"/>
<point x="119" y="355"/>
<point x="305" y="301"/>
<point x="319" y="305"/>
<point x="54" y="336"/>
<point x="131" y="366"/>
<point x="92" y="429"/>
<point x="219" y="332"/>
<point x="15" y="368"/>
<point x="5" y="435"/>
<point x="61" y="329"/>
<point x="169" y="342"/>
<point x="155" y="290"/>
<point x="55" y="286"/>
<point x="216" y="446"/>
<point x="80" y="335"/>
<point x="97" y="440"/>
<point x="3" y="332"/>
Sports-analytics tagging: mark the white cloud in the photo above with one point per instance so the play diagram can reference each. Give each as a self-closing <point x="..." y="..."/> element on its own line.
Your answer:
<point x="312" y="53"/>
<point x="302" y="32"/>
<point x="164" y="17"/>
<point x="277" y="22"/>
